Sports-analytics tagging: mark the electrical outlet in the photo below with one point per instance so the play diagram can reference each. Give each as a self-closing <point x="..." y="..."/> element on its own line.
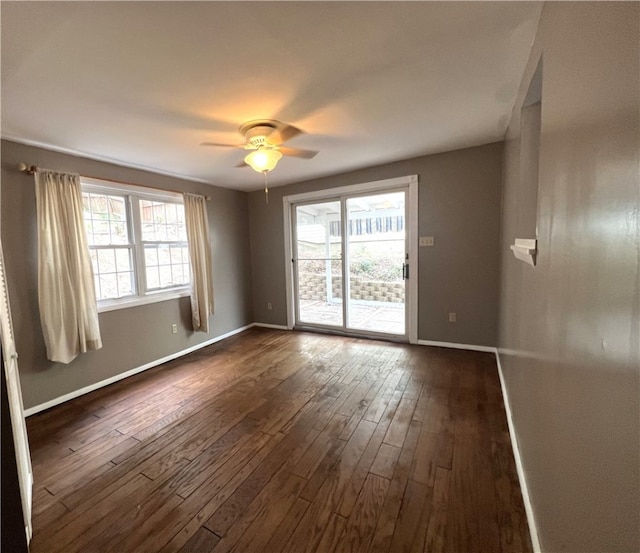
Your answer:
<point x="269" y="306"/>
<point x="426" y="241"/>
<point x="452" y="317"/>
<point x="174" y="329"/>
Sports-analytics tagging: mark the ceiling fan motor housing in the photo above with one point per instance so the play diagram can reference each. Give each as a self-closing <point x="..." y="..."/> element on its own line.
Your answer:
<point x="256" y="133"/>
<point x="268" y="134"/>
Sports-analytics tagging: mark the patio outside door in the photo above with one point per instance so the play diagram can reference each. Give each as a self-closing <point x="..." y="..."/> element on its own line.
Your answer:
<point x="352" y="247"/>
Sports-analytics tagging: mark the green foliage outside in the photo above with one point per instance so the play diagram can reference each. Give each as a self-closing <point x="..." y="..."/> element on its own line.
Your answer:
<point x="370" y="261"/>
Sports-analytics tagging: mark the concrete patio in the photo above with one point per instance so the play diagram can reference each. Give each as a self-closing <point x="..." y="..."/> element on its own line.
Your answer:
<point x="370" y="316"/>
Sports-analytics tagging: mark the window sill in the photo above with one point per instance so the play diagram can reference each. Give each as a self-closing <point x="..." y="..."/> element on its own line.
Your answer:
<point x="124" y="303"/>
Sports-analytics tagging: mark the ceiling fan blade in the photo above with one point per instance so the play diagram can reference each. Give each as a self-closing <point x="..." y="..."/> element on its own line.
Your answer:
<point x="223" y="145"/>
<point x="241" y="164"/>
<point x="283" y="133"/>
<point x="298" y="152"/>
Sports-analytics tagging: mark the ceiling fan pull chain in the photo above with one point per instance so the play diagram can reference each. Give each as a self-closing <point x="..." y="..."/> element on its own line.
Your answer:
<point x="266" y="188"/>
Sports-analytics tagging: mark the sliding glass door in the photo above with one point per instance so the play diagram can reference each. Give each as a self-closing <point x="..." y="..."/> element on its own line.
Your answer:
<point x="376" y="252"/>
<point x="318" y="263"/>
<point x="352" y="247"/>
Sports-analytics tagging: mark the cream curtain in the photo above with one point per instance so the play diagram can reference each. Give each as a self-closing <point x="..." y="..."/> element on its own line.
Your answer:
<point x="66" y="293"/>
<point x="195" y="210"/>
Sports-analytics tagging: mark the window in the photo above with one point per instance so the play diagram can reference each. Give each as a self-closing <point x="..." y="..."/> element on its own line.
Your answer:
<point x="137" y="243"/>
<point x="164" y="239"/>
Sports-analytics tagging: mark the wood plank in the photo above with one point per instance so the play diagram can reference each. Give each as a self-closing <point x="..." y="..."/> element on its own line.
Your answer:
<point x="282" y="534"/>
<point x="385" y="461"/>
<point x="214" y="457"/>
<point x="514" y="532"/>
<point x="311" y="460"/>
<point x="379" y="404"/>
<point x="400" y="424"/>
<point x="436" y="538"/>
<point x="311" y="527"/>
<point x="59" y="537"/>
<point x="204" y="502"/>
<point x="132" y="528"/>
<point x="414" y="501"/>
<point x="357" y="480"/>
<point x="426" y="457"/>
<point x="358" y="531"/>
<point x="286" y="455"/>
<point x="203" y="540"/>
<point x="389" y="516"/>
<point x="462" y="522"/>
<point x="79" y="468"/>
<point x="43" y="499"/>
<point x="325" y="469"/>
<point x="332" y="534"/>
<point x="49" y="516"/>
<point x="251" y="532"/>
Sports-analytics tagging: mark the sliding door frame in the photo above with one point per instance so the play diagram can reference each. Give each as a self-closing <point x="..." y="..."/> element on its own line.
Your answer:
<point x="410" y="182"/>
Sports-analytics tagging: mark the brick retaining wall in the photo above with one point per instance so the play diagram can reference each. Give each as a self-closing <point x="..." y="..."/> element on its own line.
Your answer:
<point x="313" y="286"/>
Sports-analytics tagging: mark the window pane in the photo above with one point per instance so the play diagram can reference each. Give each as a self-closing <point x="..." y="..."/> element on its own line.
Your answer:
<point x="101" y="234"/>
<point x="177" y="274"/>
<point x="93" y="254"/>
<point x="88" y="225"/>
<point x="113" y="270"/>
<point x="158" y="213"/>
<point x="123" y="260"/>
<point x="106" y="261"/>
<point x="98" y="204"/>
<point x="153" y="278"/>
<point x="163" y="254"/>
<point x="108" y="286"/>
<point x="162" y="222"/>
<point x="173" y="232"/>
<point x="167" y="265"/>
<point x="172" y="213"/>
<point x="150" y="255"/>
<point x="125" y="284"/>
<point x="105" y="217"/>
<point x="176" y="254"/>
<point x="119" y="233"/>
<point x="117" y="208"/>
<point x="165" y="276"/>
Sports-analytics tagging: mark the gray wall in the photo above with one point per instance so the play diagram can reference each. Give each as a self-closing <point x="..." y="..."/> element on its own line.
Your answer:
<point x="459" y="204"/>
<point x="569" y="327"/>
<point x="134" y="336"/>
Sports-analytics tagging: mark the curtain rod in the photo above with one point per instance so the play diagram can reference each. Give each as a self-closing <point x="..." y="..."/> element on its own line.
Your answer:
<point x="31" y="169"/>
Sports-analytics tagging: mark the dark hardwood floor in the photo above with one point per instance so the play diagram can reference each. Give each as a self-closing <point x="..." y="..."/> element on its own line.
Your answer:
<point x="275" y="441"/>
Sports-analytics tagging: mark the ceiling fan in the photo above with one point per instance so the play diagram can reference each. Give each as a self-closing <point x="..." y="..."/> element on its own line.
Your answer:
<point x="265" y="137"/>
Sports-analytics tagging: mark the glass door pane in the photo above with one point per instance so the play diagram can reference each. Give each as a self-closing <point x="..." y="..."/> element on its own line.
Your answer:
<point x="376" y="253"/>
<point x="318" y="264"/>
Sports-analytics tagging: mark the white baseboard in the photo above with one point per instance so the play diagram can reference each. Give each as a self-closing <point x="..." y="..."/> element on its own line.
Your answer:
<point x="533" y="529"/>
<point x="454" y="345"/>
<point x="77" y="393"/>
<point x="267" y="325"/>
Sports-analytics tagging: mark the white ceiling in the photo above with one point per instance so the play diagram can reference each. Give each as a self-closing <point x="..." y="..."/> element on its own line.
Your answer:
<point x="144" y="83"/>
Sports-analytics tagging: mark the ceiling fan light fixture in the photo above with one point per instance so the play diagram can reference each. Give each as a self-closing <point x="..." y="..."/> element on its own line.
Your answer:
<point x="263" y="159"/>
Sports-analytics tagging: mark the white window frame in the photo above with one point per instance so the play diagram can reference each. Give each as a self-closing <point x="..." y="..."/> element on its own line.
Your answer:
<point x="134" y="194"/>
